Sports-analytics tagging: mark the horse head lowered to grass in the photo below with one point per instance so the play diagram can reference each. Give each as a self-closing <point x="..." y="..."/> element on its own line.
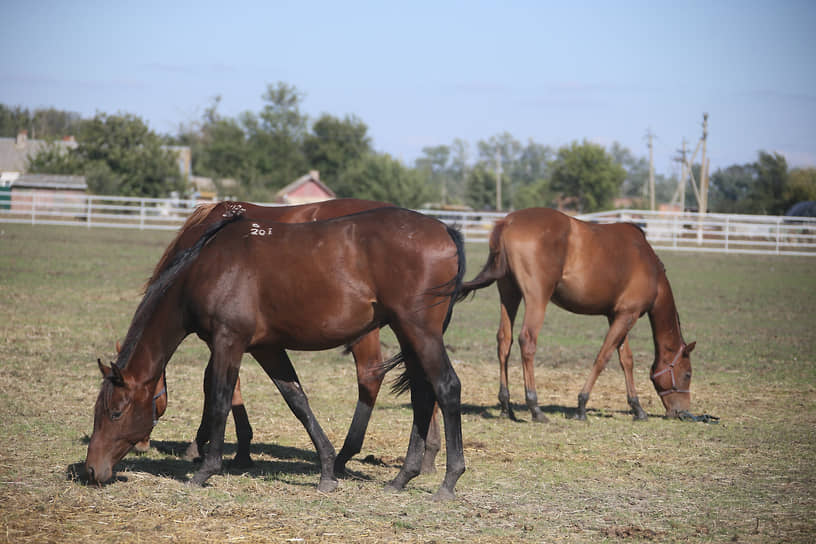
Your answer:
<point x="263" y="288"/>
<point x="541" y="255"/>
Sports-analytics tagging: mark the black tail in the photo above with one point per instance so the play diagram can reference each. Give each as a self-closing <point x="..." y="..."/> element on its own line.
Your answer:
<point x="403" y="382"/>
<point x="495" y="267"/>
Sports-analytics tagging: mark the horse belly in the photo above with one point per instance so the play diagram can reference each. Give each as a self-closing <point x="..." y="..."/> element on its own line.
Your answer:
<point x="580" y="298"/>
<point x="315" y="323"/>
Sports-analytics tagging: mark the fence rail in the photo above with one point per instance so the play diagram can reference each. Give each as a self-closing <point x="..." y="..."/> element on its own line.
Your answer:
<point x="772" y="235"/>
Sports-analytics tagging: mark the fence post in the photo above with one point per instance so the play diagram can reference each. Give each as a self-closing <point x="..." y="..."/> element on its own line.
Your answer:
<point x="727" y="231"/>
<point x="90" y="211"/>
<point x="34" y="208"/>
<point x="142" y="215"/>
<point x="778" y="233"/>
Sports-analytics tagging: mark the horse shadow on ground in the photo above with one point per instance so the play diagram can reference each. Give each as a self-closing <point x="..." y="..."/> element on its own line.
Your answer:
<point x="271" y="461"/>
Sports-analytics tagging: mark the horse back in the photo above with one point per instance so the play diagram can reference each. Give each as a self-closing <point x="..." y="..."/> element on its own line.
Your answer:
<point x="589" y="268"/>
<point x="317" y="285"/>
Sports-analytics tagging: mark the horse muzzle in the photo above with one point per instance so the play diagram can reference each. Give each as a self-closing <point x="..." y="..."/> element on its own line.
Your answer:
<point x="98" y="473"/>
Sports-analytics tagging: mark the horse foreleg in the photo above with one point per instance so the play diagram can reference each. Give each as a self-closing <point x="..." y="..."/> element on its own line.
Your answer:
<point x="510" y="297"/>
<point x="277" y="366"/>
<point x="627" y="364"/>
<point x="618" y="329"/>
<point x="367" y="356"/>
<point x="225" y="362"/>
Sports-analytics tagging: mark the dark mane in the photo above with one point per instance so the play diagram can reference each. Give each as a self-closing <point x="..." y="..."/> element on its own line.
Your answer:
<point x="158" y="287"/>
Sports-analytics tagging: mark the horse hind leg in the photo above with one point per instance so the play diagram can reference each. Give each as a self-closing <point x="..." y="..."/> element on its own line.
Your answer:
<point x="279" y="368"/>
<point x="510" y="297"/>
<point x="528" y="340"/>
<point x="627" y="364"/>
<point x="432" y="378"/>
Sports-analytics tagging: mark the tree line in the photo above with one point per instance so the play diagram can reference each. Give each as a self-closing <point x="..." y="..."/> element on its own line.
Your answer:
<point x="264" y="151"/>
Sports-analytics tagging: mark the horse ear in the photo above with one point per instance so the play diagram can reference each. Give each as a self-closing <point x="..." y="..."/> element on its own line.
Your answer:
<point x="116" y="375"/>
<point x="689" y="348"/>
<point x="103" y="369"/>
<point x="118" y="347"/>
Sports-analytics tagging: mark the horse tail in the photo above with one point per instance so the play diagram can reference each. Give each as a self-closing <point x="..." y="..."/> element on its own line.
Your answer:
<point x="495" y="267"/>
<point x="402" y="383"/>
<point x="196" y="218"/>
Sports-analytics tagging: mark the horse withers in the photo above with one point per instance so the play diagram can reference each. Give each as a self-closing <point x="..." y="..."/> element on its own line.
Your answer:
<point x="263" y="288"/>
<point x="542" y="255"/>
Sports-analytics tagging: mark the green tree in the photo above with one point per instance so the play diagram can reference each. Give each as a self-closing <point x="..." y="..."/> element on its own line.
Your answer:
<point x="801" y="186"/>
<point x="44" y="124"/>
<point x="531" y="173"/>
<point x="381" y="177"/>
<point x="767" y="193"/>
<point x="636" y="183"/>
<point x="588" y="175"/>
<point x="275" y="138"/>
<point x="728" y="189"/>
<point x="434" y="164"/>
<point x="481" y="188"/>
<point x="118" y="154"/>
<point x="335" y="144"/>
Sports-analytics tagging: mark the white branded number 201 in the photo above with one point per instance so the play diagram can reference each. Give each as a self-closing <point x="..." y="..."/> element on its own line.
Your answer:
<point x="256" y="230"/>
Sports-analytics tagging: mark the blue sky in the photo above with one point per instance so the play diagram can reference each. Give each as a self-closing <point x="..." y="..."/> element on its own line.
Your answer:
<point x="426" y="72"/>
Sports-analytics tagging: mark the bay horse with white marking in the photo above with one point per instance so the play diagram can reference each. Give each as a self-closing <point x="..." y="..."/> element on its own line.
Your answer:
<point x="540" y="254"/>
<point x="367" y="353"/>
<point x="263" y="288"/>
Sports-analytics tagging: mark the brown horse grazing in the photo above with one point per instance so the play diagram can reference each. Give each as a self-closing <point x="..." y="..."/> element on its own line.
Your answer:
<point x="540" y="254"/>
<point x="246" y="286"/>
<point x="366" y="352"/>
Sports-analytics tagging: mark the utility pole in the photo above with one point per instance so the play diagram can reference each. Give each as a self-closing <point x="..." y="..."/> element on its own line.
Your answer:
<point x="498" y="182"/>
<point x="704" y="169"/>
<point x="681" y="186"/>
<point x="651" y="172"/>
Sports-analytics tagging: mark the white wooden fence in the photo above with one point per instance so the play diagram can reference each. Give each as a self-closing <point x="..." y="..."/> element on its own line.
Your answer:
<point x="722" y="233"/>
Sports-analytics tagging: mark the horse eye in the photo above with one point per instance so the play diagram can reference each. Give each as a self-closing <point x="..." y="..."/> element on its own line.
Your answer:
<point x="115" y="415"/>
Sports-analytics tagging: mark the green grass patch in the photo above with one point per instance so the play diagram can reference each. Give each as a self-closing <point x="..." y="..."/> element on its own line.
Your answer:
<point x="68" y="294"/>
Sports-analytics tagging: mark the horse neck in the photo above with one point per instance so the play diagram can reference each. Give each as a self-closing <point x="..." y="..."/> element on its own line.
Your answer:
<point x="665" y="321"/>
<point x="155" y="333"/>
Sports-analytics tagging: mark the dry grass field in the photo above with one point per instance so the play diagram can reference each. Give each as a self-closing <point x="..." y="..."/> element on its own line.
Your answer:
<point x="68" y="293"/>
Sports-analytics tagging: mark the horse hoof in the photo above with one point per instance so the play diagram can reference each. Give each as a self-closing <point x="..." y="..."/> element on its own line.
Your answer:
<point x="443" y="495"/>
<point x="197" y="480"/>
<point x="327" y="486"/>
<point x="391" y="487"/>
<point x="243" y="461"/>
<point x="539" y="417"/>
<point x="430" y="469"/>
<point x="579" y="417"/>
<point x="640" y="417"/>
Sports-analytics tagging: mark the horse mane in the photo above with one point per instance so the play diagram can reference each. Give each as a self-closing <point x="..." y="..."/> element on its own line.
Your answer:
<point x="196" y="218"/>
<point x="158" y="287"/>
